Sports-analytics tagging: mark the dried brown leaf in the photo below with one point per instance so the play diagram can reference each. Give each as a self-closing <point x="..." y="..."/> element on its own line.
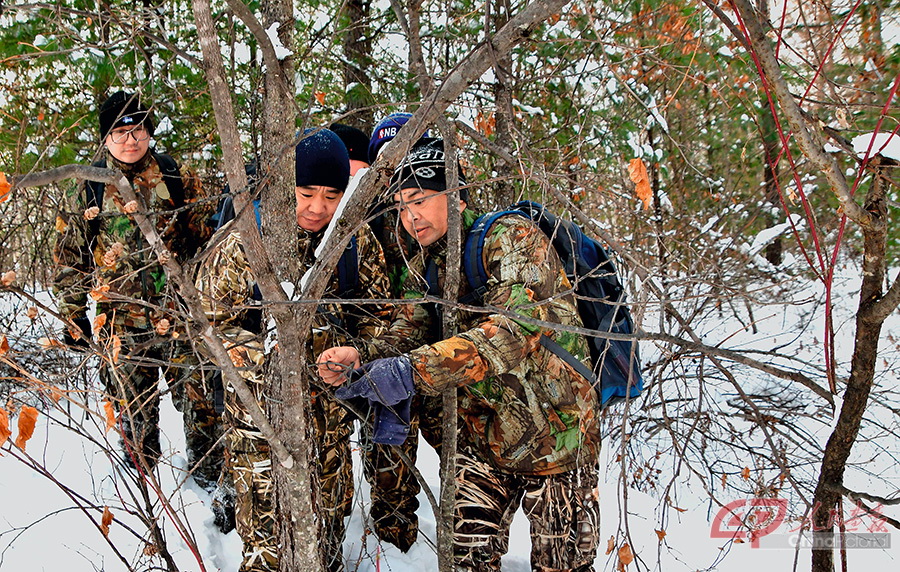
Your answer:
<point x="27" y="419"/>
<point x="106" y="520"/>
<point x="637" y="172"/>
<point x="4" y="426"/>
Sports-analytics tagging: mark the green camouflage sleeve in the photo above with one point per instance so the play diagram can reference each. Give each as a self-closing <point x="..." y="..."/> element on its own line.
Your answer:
<point x="72" y="257"/>
<point x="525" y="280"/>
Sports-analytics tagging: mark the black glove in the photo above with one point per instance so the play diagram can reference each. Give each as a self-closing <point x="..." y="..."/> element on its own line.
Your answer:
<point x="84" y="325"/>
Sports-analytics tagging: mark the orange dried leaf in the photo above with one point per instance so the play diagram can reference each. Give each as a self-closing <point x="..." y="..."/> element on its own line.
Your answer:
<point x="48" y="343"/>
<point x="660" y="534"/>
<point x="116" y="347"/>
<point x="4" y="187"/>
<point x="110" y="411"/>
<point x="4" y="346"/>
<point x="162" y="327"/>
<point x="724" y="479"/>
<point x="27" y="419"/>
<point x="61" y="224"/>
<point x="55" y="393"/>
<point x="610" y="545"/>
<point x="8" y="278"/>
<point x="32" y="313"/>
<point x="320" y="97"/>
<point x="625" y="555"/>
<point x="745" y="474"/>
<point x="106" y="520"/>
<point x="4" y="426"/>
<point x="637" y="172"/>
<point x="99" y="321"/>
<point x="99" y="293"/>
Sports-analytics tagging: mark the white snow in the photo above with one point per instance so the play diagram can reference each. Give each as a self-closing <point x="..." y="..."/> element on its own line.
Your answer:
<point x="42" y="528"/>
<point x="280" y="51"/>
<point x="871" y="144"/>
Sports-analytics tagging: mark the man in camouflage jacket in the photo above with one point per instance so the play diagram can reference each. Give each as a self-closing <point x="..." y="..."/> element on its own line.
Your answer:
<point x="528" y="427"/>
<point x="226" y="284"/>
<point x="100" y="252"/>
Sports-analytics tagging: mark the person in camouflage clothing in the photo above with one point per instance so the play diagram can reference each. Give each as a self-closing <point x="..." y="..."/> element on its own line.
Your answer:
<point x="226" y="284"/>
<point x="101" y="252"/>
<point x="528" y="433"/>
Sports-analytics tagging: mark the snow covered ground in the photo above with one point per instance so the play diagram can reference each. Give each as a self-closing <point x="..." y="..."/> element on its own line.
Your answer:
<point x="41" y="528"/>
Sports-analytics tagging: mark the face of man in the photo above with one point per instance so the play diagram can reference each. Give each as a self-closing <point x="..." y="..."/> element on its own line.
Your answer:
<point x="356" y="165"/>
<point x="128" y="143"/>
<point x="424" y="214"/>
<point x="316" y="206"/>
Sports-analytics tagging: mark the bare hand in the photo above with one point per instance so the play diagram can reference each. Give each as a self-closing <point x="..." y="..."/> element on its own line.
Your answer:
<point x="334" y="364"/>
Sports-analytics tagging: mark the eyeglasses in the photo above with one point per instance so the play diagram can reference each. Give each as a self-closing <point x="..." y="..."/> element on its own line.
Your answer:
<point x="139" y="133"/>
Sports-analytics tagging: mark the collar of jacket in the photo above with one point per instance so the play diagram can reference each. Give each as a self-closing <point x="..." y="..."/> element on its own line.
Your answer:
<point x="130" y="170"/>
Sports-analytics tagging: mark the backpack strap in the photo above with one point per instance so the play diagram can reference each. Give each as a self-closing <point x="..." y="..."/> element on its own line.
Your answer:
<point x="564" y="354"/>
<point x="348" y="269"/>
<point x="171" y="177"/>
<point x="94" y="198"/>
<point x="473" y="255"/>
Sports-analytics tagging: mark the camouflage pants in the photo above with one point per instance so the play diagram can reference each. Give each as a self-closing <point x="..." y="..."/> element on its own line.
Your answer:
<point x="250" y="462"/>
<point x="132" y="383"/>
<point x="394" y="488"/>
<point x="563" y="511"/>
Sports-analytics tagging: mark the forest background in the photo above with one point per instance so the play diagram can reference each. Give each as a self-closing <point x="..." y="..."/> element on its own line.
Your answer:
<point x="724" y="150"/>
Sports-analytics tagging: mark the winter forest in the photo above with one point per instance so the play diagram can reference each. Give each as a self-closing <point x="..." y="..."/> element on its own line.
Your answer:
<point x="739" y="159"/>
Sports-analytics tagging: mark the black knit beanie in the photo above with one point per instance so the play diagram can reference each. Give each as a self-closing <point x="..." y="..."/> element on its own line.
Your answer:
<point x="356" y="141"/>
<point x="124" y="109"/>
<point x="424" y="168"/>
<point x="322" y="160"/>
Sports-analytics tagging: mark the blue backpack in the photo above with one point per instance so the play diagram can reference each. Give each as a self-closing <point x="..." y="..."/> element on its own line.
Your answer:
<point x="599" y="293"/>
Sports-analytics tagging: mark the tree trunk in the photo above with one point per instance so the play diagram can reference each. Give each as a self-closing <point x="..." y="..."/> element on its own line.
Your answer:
<point x="769" y="134"/>
<point x="357" y="44"/>
<point x="503" y="107"/>
<point x="827" y="498"/>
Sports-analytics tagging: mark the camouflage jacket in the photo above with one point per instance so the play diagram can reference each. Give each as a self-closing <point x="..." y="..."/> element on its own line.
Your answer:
<point x="105" y="255"/>
<point x="522" y="406"/>
<point x="226" y="284"/>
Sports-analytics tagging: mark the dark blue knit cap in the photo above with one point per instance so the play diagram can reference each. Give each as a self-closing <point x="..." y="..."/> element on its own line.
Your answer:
<point x="322" y="160"/>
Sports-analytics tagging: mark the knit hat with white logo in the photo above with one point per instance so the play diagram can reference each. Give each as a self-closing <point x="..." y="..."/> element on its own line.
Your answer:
<point x="424" y="168"/>
<point x="124" y="109"/>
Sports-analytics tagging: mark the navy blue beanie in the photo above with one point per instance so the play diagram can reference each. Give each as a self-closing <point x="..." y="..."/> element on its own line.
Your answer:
<point x="322" y="160"/>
